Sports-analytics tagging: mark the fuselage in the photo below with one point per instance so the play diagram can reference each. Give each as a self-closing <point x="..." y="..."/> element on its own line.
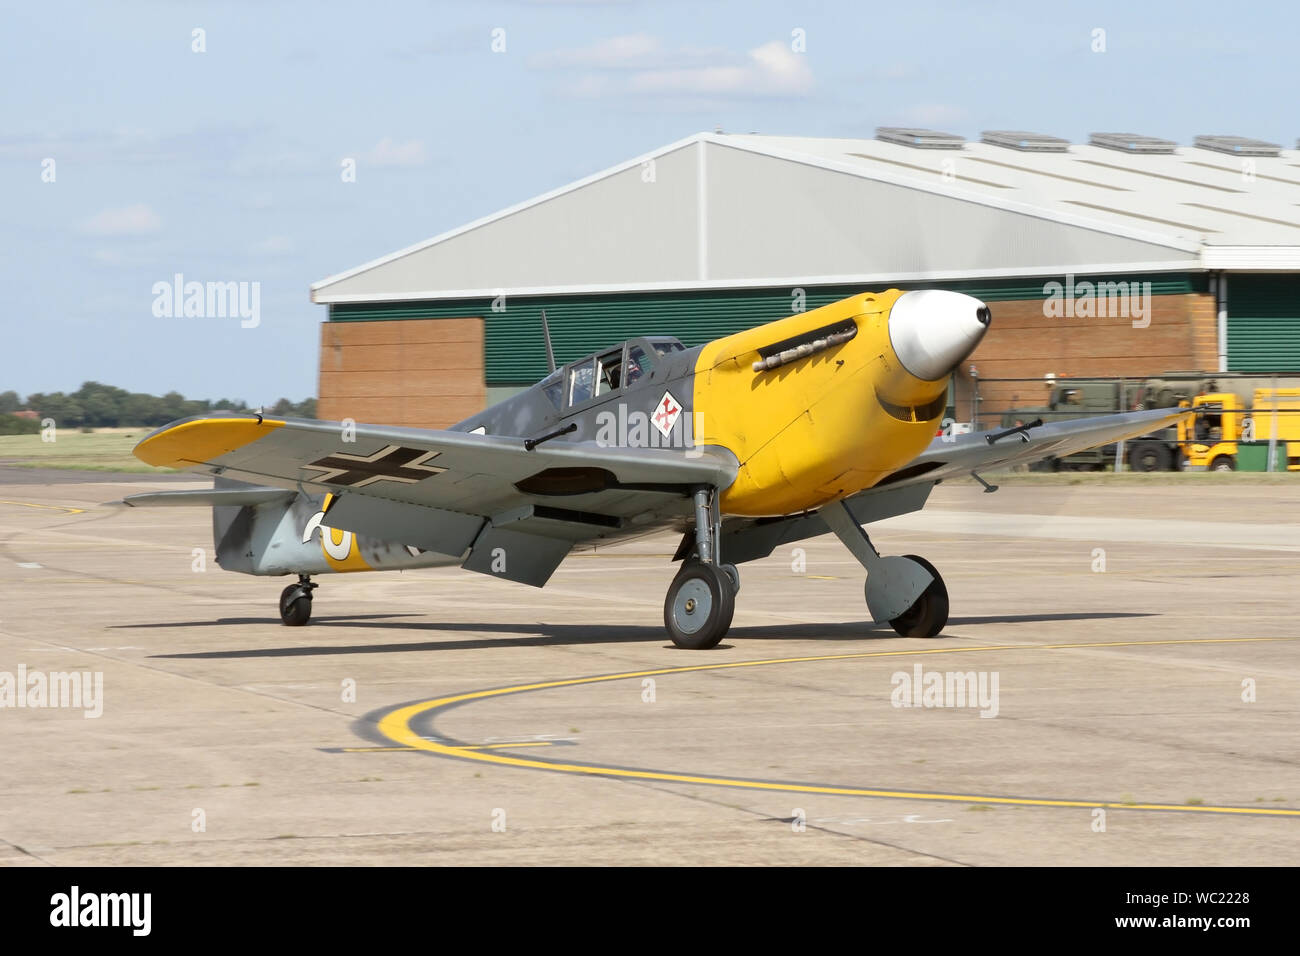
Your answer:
<point x="815" y="407"/>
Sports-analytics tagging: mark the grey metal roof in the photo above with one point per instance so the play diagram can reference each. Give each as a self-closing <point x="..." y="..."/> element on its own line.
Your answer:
<point x="725" y="211"/>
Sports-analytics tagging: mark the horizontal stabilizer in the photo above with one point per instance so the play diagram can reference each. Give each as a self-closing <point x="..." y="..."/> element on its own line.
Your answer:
<point x="244" y="495"/>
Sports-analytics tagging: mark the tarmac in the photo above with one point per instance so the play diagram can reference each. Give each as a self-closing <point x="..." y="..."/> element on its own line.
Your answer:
<point x="1130" y="657"/>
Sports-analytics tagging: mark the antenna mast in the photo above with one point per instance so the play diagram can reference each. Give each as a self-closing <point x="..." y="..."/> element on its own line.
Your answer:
<point x="546" y="334"/>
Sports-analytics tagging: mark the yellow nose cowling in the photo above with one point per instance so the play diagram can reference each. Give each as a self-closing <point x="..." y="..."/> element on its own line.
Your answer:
<point x="816" y="426"/>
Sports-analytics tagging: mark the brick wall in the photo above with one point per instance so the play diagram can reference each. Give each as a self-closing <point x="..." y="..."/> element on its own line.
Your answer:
<point x="423" y="373"/>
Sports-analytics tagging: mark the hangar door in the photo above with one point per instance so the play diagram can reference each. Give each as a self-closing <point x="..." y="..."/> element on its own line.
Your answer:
<point x="1264" y="323"/>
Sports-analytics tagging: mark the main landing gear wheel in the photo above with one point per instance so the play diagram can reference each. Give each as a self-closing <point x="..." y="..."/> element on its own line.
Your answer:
<point x="700" y="603"/>
<point x="295" y="602"/>
<point x="733" y="572"/>
<point x="928" y="613"/>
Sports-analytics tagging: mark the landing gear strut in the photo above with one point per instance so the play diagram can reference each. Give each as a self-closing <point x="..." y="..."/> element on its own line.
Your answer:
<point x="905" y="591"/>
<point x="702" y="598"/>
<point x="295" y="602"/>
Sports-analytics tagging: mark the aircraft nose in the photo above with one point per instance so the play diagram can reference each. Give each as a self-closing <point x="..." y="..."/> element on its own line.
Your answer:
<point x="933" y="330"/>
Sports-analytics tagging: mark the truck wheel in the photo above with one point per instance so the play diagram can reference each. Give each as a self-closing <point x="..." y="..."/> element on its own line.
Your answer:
<point x="1150" y="456"/>
<point x="1223" y="463"/>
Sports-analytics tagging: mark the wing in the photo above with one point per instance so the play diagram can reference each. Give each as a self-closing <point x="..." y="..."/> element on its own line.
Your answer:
<point x="511" y="511"/>
<point x="906" y="490"/>
<point x="962" y="454"/>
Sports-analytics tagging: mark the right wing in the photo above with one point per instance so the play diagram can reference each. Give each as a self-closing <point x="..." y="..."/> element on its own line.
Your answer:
<point x="514" y="511"/>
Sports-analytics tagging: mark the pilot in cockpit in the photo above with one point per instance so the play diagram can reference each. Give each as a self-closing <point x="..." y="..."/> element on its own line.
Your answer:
<point x="634" y="369"/>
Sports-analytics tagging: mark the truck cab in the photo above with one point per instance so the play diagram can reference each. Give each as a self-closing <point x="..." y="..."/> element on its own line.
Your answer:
<point x="1225" y="429"/>
<point x="1211" y="437"/>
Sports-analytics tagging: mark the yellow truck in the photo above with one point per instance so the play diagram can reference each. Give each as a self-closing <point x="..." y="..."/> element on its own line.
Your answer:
<point x="1229" y="435"/>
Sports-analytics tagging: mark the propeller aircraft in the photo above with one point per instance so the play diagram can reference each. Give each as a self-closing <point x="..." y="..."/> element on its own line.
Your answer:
<point x="824" y="421"/>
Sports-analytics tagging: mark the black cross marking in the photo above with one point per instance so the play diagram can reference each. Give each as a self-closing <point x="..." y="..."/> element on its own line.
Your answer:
<point x="390" y="463"/>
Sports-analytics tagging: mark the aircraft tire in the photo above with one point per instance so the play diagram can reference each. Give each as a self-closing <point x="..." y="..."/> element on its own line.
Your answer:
<point x="733" y="573"/>
<point x="699" y="606"/>
<point x="928" y="615"/>
<point x="295" y="606"/>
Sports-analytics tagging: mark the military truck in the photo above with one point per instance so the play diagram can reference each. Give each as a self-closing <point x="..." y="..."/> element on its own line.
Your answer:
<point x="1164" y="450"/>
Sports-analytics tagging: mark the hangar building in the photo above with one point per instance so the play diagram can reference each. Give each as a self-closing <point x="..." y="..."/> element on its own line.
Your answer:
<point x="719" y="232"/>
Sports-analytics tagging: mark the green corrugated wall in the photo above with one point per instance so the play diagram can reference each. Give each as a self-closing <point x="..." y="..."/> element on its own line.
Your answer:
<point x="1264" y="323"/>
<point x="580" y="324"/>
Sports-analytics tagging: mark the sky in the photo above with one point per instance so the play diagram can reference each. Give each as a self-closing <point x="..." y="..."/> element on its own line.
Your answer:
<point x="142" y="140"/>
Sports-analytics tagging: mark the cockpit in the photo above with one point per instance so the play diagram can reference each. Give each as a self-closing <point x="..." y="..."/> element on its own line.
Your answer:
<point x="605" y="372"/>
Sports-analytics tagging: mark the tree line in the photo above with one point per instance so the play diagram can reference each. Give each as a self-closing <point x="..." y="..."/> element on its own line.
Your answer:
<point x="96" y="405"/>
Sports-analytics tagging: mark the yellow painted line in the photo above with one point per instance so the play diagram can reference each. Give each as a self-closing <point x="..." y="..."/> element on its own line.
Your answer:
<point x="376" y="750"/>
<point x="32" y="504"/>
<point x="395" y="725"/>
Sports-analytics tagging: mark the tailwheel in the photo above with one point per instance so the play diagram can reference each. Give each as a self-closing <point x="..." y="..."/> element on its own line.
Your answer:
<point x="699" y="606"/>
<point x="929" y="612"/>
<point x="295" y="602"/>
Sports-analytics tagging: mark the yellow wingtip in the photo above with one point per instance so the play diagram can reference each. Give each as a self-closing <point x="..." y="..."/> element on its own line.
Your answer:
<point x="201" y="440"/>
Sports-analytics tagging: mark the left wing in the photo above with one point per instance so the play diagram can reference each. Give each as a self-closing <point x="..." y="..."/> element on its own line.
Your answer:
<point x="510" y="511"/>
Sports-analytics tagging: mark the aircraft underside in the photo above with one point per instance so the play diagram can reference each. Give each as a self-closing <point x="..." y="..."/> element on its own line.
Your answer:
<point x="905" y="591"/>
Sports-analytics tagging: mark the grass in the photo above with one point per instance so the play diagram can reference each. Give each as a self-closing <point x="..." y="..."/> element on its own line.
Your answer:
<point x="106" y="449"/>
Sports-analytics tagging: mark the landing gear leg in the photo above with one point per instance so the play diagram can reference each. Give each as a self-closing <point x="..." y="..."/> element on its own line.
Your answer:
<point x="295" y="602"/>
<point x="905" y="591"/>
<point x="702" y="598"/>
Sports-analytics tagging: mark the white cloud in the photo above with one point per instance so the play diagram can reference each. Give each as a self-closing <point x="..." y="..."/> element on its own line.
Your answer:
<point x="128" y="255"/>
<point x="640" y="64"/>
<point x="272" y="246"/>
<point x="389" y="153"/>
<point x="773" y="70"/>
<point x="137" y="220"/>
